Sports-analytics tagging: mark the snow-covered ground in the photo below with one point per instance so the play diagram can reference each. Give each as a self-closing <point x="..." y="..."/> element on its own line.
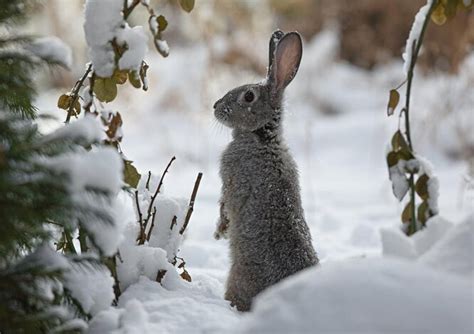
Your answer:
<point x="337" y="129"/>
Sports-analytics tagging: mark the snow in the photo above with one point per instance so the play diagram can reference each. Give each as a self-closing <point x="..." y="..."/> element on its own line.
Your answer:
<point x="47" y="258"/>
<point x="453" y="253"/>
<point x="397" y="244"/>
<point x="100" y="169"/>
<point x="190" y="308"/>
<point x="95" y="179"/>
<point x="104" y="23"/>
<point x="87" y="129"/>
<point x="399" y="180"/>
<point x="414" y="35"/>
<point x="162" y="46"/>
<point x="364" y="296"/>
<point x="136" y="41"/>
<point x="72" y="325"/>
<point x="102" y="18"/>
<point x="433" y="184"/>
<point x="163" y="236"/>
<point x="91" y="286"/>
<point x="53" y="49"/>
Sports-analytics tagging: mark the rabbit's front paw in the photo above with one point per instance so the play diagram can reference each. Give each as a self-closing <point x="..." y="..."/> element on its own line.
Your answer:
<point x="221" y="230"/>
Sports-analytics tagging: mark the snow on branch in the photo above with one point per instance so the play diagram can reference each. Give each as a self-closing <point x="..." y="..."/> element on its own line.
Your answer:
<point x="413" y="41"/>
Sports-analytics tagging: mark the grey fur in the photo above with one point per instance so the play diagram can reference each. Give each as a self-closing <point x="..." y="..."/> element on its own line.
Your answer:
<point x="261" y="210"/>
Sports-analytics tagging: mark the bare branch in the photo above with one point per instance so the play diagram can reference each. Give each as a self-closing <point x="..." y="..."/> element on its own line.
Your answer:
<point x="191" y="204"/>
<point x="149" y="212"/>
<point x="173" y="222"/>
<point x="152" y="224"/>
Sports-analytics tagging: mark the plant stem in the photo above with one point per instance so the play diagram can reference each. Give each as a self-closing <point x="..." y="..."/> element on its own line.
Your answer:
<point x="75" y="93"/>
<point x="416" y="49"/>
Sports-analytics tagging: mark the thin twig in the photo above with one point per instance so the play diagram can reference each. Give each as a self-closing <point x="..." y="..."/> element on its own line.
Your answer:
<point x="160" y="274"/>
<point x="401" y="84"/>
<point x="191" y="204"/>
<point x="174" y="222"/>
<point x="147" y="185"/>
<point x="75" y="93"/>
<point x="128" y="10"/>
<point x="157" y="191"/>
<point x="148" y="236"/>
<point x="140" y="219"/>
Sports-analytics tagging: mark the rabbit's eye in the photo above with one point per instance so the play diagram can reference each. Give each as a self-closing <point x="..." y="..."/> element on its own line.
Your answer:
<point x="249" y="96"/>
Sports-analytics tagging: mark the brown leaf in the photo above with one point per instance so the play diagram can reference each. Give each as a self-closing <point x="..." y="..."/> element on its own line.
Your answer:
<point x="392" y="102"/>
<point x="392" y="159"/>
<point x="399" y="142"/>
<point x="114" y="124"/>
<point x="64" y="101"/>
<point x="185" y="275"/>
<point x="407" y="213"/>
<point x="421" y="186"/>
<point x="134" y="79"/>
<point x="423" y="212"/>
<point x="120" y="77"/>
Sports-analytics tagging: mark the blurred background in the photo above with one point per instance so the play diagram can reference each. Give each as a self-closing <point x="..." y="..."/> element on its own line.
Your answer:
<point x="336" y="123"/>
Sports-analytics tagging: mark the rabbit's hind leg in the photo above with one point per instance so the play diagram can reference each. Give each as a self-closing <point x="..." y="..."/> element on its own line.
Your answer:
<point x="237" y="291"/>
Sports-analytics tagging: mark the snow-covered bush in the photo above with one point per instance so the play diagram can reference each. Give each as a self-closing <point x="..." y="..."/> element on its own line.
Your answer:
<point x="153" y="240"/>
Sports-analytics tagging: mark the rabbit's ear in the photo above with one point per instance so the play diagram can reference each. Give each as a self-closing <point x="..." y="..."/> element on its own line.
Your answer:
<point x="274" y="39"/>
<point x="286" y="62"/>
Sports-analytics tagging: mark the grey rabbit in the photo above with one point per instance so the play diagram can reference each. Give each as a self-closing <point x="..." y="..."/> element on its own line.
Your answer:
<point x="260" y="205"/>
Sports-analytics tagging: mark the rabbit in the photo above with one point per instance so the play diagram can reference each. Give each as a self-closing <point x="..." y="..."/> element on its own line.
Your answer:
<point x="260" y="206"/>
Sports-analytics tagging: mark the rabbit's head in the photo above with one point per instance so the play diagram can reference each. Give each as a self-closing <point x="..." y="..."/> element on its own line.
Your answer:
<point x="250" y="107"/>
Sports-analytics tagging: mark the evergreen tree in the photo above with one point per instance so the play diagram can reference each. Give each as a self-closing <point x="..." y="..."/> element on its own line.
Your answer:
<point x="17" y="60"/>
<point x="46" y="198"/>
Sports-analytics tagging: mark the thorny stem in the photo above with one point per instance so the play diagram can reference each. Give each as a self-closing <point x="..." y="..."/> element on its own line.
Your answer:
<point x="75" y="93"/>
<point x="191" y="203"/>
<point x="416" y="49"/>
